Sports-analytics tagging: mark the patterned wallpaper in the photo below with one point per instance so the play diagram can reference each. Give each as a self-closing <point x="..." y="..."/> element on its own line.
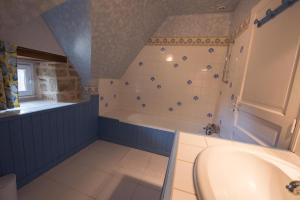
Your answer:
<point x="14" y="13"/>
<point x="70" y="23"/>
<point x="186" y="7"/>
<point x="120" y="30"/>
<point x="241" y="16"/>
<point x="181" y="82"/>
<point x="212" y="24"/>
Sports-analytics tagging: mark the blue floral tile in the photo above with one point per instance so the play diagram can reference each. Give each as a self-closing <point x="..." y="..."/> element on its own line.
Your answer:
<point x="152" y="78"/>
<point x="189" y="82"/>
<point x="158" y="86"/>
<point x="162" y="49"/>
<point x="232" y="97"/>
<point x="209" y="67"/>
<point x="216" y="76"/>
<point x="209" y="115"/>
<point x="241" y="49"/>
<point x="211" y="50"/>
<point x="196" y="98"/>
<point x="184" y="58"/>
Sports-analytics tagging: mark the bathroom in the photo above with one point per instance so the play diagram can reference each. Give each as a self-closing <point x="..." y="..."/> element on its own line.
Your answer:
<point x="158" y="100"/>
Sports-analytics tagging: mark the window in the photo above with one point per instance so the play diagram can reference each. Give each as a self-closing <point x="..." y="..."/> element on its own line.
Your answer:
<point x="25" y="79"/>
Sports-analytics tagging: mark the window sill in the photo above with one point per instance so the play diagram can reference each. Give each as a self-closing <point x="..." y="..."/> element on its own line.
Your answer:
<point x="32" y="106"/>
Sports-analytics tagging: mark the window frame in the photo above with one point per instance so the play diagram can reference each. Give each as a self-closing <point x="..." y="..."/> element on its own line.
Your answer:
<point x="29" y="78"/>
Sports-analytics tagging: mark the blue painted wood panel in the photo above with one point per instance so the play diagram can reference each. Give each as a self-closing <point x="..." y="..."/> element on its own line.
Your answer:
<point x="32" y="143"/>
<point x="148" y="139"/>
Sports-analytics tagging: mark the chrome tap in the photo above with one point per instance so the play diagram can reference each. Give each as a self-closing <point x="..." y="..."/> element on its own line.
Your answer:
<point x="294" y="187"/>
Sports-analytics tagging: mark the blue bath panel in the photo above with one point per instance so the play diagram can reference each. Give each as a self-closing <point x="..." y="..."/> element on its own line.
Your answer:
<point x="32" y="143"/>
<point x="139" y="137"/>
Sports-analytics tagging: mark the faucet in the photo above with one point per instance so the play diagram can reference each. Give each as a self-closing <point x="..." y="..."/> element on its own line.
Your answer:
<point x="294" y="187"/>
<point x="211" y="128"/>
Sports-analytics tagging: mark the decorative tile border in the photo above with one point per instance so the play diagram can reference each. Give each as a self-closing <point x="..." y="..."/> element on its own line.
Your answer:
<point x="190" y="41"/>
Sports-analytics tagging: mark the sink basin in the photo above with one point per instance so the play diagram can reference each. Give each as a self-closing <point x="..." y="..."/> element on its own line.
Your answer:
<point x="238" y="173"/>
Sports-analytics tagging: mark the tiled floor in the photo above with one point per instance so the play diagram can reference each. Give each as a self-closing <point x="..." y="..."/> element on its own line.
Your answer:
<point x="102" y="171"/>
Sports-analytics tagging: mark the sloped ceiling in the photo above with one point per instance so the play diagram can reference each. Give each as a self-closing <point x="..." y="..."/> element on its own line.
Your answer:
<point x="16" y="12"/>
<point x="70" y="23"/>
<point x="122" y="27"/>
<point x="119" y="28"/>
<point x="187" y="7"/>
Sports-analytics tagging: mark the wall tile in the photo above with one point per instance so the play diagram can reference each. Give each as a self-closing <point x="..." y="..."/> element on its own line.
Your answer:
<point x="185" y="92"/>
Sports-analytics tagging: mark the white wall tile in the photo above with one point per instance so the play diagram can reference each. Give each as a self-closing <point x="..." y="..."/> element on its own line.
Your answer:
<point x="170" y="83"/>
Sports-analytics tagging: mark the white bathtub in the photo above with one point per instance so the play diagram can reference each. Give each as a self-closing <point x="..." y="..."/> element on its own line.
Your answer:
<point x="157" y="122"/>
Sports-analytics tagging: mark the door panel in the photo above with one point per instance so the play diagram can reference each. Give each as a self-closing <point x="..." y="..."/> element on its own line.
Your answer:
<point x="266" y="132"/>
<point x="272" y="61"/>
<point x="267" y="105"/>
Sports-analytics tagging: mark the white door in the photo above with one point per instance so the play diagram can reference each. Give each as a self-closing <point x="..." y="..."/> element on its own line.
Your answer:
<point x="270" y="92"/>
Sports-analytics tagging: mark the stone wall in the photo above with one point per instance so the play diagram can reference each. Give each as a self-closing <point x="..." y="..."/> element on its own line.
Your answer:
<point x="58" y="82"/>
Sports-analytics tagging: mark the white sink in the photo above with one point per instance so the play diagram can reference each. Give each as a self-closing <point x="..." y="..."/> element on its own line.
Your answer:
<point x="238" y="173"/>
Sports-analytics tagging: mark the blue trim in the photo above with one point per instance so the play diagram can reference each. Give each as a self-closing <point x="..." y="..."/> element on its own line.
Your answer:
<point x="168" y="182"/>
<point x="144" y="138"/>
<point x="33" y="143"/>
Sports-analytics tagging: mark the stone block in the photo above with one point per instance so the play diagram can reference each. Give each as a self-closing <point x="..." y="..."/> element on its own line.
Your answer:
<point x="73" y="73"/>
<point x="46" y="72"/>
<point x="53" y="84"/>
<point x="43" y="87"/>
<point x="65" y="84"/>
<point x="58" y="65"/>
<point x="61" y="73"/>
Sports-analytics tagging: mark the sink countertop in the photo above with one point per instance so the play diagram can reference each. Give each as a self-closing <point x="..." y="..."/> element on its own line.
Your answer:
<point x="189" y="145"/>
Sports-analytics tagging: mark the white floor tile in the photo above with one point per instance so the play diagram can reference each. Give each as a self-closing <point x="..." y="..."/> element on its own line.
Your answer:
<point x="145" y="193"/>
<point x="120" y="187"/>
<point x="156" y="170"/>
<point x="97" y="158"/>
<point x="82" y="179"/>
<point x="102" y="171"/>
<point x="135" y="161"/>
<point x="45" y="189"/>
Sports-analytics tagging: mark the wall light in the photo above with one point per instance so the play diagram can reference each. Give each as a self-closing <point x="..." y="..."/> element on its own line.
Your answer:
<point x="169" y="58"/>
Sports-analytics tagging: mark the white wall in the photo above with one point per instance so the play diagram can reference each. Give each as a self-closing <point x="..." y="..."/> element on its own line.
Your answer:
<point x="34" y="35"/>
